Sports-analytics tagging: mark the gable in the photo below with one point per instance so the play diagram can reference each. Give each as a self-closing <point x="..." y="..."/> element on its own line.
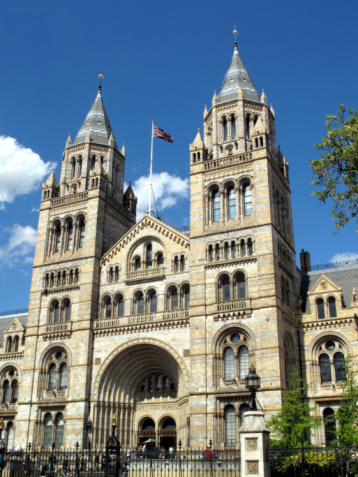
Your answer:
<point x="324" y="285"/>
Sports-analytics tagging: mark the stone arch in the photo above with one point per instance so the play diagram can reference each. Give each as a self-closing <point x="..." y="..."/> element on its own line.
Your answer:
<point x="233" y="325"/>
<point x="327" y="334"/>
<point x="50" y="348"/>
<point x="142" y="241"/>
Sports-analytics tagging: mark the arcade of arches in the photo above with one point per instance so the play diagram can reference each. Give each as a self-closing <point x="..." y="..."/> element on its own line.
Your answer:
<point x="147" y="388"/>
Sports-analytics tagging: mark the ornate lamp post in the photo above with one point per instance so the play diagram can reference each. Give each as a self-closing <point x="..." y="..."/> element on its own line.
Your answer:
<point x="113" y="452"/>
<point x="253" y="383"/>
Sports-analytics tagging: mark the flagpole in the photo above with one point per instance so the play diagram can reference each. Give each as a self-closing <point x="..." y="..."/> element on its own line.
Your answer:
<point x="150" y="174"/>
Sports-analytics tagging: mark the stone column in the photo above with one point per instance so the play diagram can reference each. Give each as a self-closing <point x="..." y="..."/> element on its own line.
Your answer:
<point x="254" y="442"/>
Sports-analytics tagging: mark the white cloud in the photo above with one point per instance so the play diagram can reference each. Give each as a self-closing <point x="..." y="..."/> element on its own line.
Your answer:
<point x="344" y="257"/>
<point x="168" y="191"/>
<point x="20" y="246"/>
<point x="22" y="170"/>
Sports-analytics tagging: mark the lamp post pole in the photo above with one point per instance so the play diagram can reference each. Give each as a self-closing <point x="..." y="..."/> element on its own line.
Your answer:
<point x="253" y="383"/>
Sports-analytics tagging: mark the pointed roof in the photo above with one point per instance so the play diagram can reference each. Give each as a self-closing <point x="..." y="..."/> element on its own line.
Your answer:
<point x="237" y="76"/>
<point x="51" y="181"/>
<point x="96" y="124"/>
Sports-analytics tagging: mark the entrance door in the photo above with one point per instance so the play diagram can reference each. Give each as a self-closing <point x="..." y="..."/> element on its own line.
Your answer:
<point x="147" y="433"/>
<point x="169" y="434"/>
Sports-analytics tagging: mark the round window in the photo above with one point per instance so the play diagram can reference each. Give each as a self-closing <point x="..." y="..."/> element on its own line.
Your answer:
<point x="330" y="345"/>
<point x="235" y="338"/>
<point x="11" y="373"/>
<point x="59" y="355"/>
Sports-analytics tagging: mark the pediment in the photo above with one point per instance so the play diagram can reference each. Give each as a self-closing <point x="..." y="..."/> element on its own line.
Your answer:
<point x="324" y="285"/>
<point x="152" y="226"/>
<point x="15" y="327"/>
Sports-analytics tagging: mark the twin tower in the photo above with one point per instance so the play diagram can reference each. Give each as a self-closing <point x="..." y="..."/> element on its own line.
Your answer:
<point x="141" y="320"/>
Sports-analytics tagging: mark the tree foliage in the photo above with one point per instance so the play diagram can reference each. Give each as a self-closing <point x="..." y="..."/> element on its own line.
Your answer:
<point x="336" y="173"/>
<point x="291" y="427"/>
<point x="347" y="414"/>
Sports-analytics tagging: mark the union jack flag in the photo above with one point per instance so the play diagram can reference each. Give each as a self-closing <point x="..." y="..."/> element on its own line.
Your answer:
<point x="157" y="132"/>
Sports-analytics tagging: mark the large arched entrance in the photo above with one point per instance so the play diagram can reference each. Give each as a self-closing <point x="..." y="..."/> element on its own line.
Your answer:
<point x="147" y="432"/>
<point x="143" y="379"/>
<point x="168" y="433"/>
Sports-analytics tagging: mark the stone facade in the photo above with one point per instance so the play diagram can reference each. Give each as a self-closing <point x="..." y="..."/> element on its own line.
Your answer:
<point x="160" y="326"/>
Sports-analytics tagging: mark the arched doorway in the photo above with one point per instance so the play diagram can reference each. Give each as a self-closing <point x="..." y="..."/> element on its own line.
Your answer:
<point x="147" y="432"/>
<point x="329" y="426"/>
<point x="168" y="433"/>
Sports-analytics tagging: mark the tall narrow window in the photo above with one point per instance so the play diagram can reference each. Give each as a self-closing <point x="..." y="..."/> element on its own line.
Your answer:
<point x="211" y="253"/>
<point x="120" y="306"/>
<point x="137" y="263"/>
<point x="186" y="297"/>
<point x="247" y="200"/>
<point x="116" y="274"/>
<point x="166" y="383"/>
<point x="149" y="256"/>
<point x="247" y="126"/>
<point x="79" y="166"/>
<point x="173" y="298"/>
<point x="59" y="425"/>
<point x="52" y="377"/>
<point x="10" y="436"/>
<point x="151" y="385"/>
<point x="110" y="278"/>
<point x="244" y="408"/>
<point x="159" y="383"/>
<point x="176" y="264"/>
<point x="57" y="238"/>
<point x="16" y="344"/>
<point x="108" y="307"/>
<point x="320" y="308"/>
<point x="230" y="426"/>
<point x="233" y="249"/>
<point x="63" y="376"/>
<point x="67" y="310"/>
<point x="5" y="391"/>
<point x="232" y="203"/>
<point x="249" y="247"/>
<point x="229" y="364"/>
<point x="225" y="128"/>
<point x="9" y="345"/>
<point x="160" y="260"/>
<point x="217" y="251"/>
<point x="14" y="391"/>
<point x="140" y="303"/>
<point x="216" y="206"/>
<point x="329" y="425"/>
<point x="69" y="235"/>
<point x="48" y="432"/>
<point x="339" y="363"/>
<point x="153" y="302"/>
<point x="182" y="263"/>
<point x="332" y="307"/>
<point x="82" y="229"/>
<point x="227" y="251"/>
<point x="243" y="248"/>
<point x="240" y="286"/>
<point x="73" y="168"/>
<point x="233" y="127"/>
<point x="244" y="362"/>
<point x="225" y="285"/>
<point x="55" y="312"/>
<point x="325" y="368"/>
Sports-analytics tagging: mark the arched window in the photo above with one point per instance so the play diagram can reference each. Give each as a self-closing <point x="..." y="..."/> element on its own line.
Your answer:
<point x="10" y="436"/>
<point x="73" y="168"/>
<point x="332" y="307"/>
<point x="153" y="302"/>
<point x="151" y="385"/>
<point x="229" y="364"/>
<point x="9" y="344"/>
<point x="5" y="391"/>
<point x="329" y="425"/>
<point x="140" y="303"/>
<point x="176" y="264"/>
<point x="69" y="235"/>
<point x="16" y="344"/>
<point x="166" y="383"/>
<point x="48" y="432"/>
<point x="173" y="298"/>
<point x="225" y="128"/>
<point x="230" y="426"/>
<point x="247" y="200"/>
<point x="55" y="311"/>
<point x="249" y="247"/>
<point x="261" y="141"/>
<point x="59" y="425"/>
<point x="149" y="256"/>
<point x="243" y="248"/>
<point x="120" y="306"/>
<point x="217" y="251"/>
<point x="137" y="264"/>
<point x="82" y="230"/>
<point x="116" y="274"/>
<point x="79" y="166"/>
<point x="159" y="383"/>
<point x="225" y="288"/>
<point x="240" y="288"/>
<point x="14" y="391"/>
<point x="247" y="125"/>
<point x="226" y="251"/>
<point x="182" y="263"/>
<point x="186" y="297"/>
<point x="233" y="127"/>
<point x="57" y="238"/>
<point x="256" y="142"/>
<point x="233" y="249"/>
<point x="110" y="275"/>
<point x="67" y="310"/>
<point x="325" y="368"/>
<point x="52" y="377"/>
<point x="160" y="260"/>
<point x="216" y="205"/>
<point x="63" y="376"/>
<point x="244" y="361"/>
<point x="232" y="202"/>
<point x="211" y="253"/>
<point x="339" y="363"/>
<point x="77" y="275"/>
<point x="107" y="307"/>
<point x="320" y="308"/>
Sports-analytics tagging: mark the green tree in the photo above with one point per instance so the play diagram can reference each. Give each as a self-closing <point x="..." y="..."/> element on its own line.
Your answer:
<point x="293" y="424"/>
<point x="336" y="173"/>
<point x="347" y="414"/>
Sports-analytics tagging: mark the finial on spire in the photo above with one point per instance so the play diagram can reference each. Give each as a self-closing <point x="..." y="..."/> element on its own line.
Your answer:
<point x="235" y="33"/>
<point x="100" y="76"/>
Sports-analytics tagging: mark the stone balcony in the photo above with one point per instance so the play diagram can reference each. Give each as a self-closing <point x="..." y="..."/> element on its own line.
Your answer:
<point x="57" y="330"/>
<point x="69" y="199"/>
<point x="226" y="161"/>
<point x="231" y="309"/>
<point x="147" y="274"/>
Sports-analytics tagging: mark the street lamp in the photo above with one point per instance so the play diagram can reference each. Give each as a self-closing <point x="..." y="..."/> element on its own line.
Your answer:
<point x="253" y="383"/>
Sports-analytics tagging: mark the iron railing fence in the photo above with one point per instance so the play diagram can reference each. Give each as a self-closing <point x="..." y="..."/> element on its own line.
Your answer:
<point x="314" y="462"/>
<point x="84" y="463"/>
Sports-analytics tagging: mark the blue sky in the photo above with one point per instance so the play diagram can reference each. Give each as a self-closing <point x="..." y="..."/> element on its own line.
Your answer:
<point x="162" y="62"/>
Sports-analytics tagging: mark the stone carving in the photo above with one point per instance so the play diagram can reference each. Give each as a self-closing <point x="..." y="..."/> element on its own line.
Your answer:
<point x="251" y="444"/>
<point x="323" y="285"/>
<point x="97" y="361"/>
<point x="252" y="467"/>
